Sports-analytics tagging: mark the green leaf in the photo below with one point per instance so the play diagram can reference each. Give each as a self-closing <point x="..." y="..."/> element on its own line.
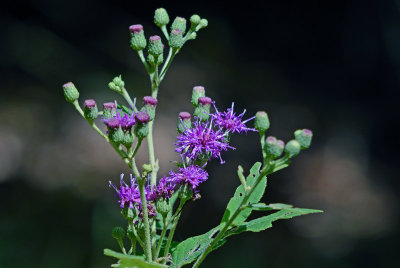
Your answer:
<point x="124" y="108"/>
<point x="188" y="250"/>
<point x="265" y="222"/>
<point x="262" y="206"/>
<point x="237" y="199"/>
<point x="281" y="166"/>
<point x="130" y="261"/>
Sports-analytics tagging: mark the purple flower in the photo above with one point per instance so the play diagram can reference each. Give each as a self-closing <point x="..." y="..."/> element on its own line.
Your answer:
<point x="126" y="121"/>
<point x="128" y="194"/>
<point x="191" y="175"/>
<point x="164" y="189"/>
<point x="230" y="121"/>
<point x="202" y="140"/>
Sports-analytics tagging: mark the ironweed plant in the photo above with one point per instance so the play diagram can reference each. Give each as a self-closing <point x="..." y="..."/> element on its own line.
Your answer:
<point x="152" y="204"/>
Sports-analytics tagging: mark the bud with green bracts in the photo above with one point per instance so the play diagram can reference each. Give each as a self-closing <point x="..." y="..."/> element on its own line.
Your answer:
<point x="194" y="21"/>
<point x="161" y="17"/>
<point x="292" y="148"/>
<point x="90" y="109"/>
<point x="109" y="110"/>
<point x="203" y="24"/>
<point x="116" y="135"/>
<point x="179" y="24"/>
<point x="128" y="139"/>
<point x="304" y="137"/>
<point x="128" y="214"/>
<point x="162" y="206"/>
<point x="117" y="84"/>
<point x="198" y="92"/>
<point x="185" y="192"/>
<point x="184" y="122"/>
<point x="141" y="127"/>
<point x="138" y="40"/>
<point x="202" y="111"/>
<point x="118" y="233"/>
<point x="261" y="122"/>
<point x="149" y="107"/>
<point x="176" y="39"/>
<point x="71" y="94"/>
<point x="155" y="47"/>
<point x="150" y="59"/>
<point x="273" y="147"/>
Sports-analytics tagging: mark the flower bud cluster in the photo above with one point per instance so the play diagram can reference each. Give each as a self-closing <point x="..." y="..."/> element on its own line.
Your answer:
<point x="273" y="147"/>
<point x="117" y="84"/>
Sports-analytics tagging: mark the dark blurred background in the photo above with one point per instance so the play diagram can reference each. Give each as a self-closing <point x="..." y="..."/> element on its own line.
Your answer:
<point x="331" y="66"/>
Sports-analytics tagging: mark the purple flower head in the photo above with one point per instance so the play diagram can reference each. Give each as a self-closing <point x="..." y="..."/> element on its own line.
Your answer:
<point x="307" y="132"/>
<point x="112" y="123"/>
<point x="230" y="121"/>
<point x="142" y="117"/>
<point x="281" y="144"/>
<point x="191" y="175"/>
<point x="149" y="100"/>
<point x="164" y="189"/>
<point x="128" y="195"/>
<point x="90" y="103"/>
<point x="109" y="105"/>
<point x="176" y="32"/>
<point x="151" y="210"/>
<point x="202" y="140"/>
<point x="205" y="100"/>
<point x="184" y="115"/>
<point x="126" y="121"/>
<point x="155" y="38"/>
<point x="137" y="28"/>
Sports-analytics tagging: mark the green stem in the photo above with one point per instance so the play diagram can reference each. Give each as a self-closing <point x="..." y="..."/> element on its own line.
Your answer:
<point x="163" y="232"/>
<point x="132" y="251"/>
<point x="262" y="142"/>
<point x="141" y="56"/>
<point x="228" y="224"/>
<point x="171" y="233"/>
<point x="137" y="146"/>
<point x="128" y="99"/>
<point x="171" y="55"/>
<point x="147" y="248"/>
<point x="165" y="32"/>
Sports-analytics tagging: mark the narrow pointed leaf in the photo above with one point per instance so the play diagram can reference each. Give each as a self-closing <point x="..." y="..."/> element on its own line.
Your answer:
<point x="236" y="200"/>
<point x="130" y="261"/>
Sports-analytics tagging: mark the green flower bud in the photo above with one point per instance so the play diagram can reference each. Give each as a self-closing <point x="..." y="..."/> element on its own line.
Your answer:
<point x="147" y="168"/>
<point x="128" y="139"/>
<point x="192" y="36"/>
<point x="162" y="206"/>
<point x="176" y="39"/>
<point x="304" y="137"/>
<point x="202" y="111"/>
<point x="161" y="17"/>
<point x="198" y="92"/>
<point x="150" y="59"/>
<point x="71" y="94"/>
<point x="261" y="122"/>
<point x="184" y="122"/>
<point x="138" y="40"/>
<point x="128" y="214"/>
<point x="195" y="20"/>
<point x="155" y="47"/>
<point x="203" y="24"/>
<point x="90" y="110"/>
<point x="141" y="127"/>
<point x="185" y="193"/>
<point x="149" y="107"/>
<point x="179" y="24"/>
<point x="109" y="110"/>
<point x="273" y="147"/>
<point x="116" y="135"/>
<point x="130" y="233"/>
<point x="118" y="233"/>
<point x="292" y="148"/>
<point x="117" y="84"/>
